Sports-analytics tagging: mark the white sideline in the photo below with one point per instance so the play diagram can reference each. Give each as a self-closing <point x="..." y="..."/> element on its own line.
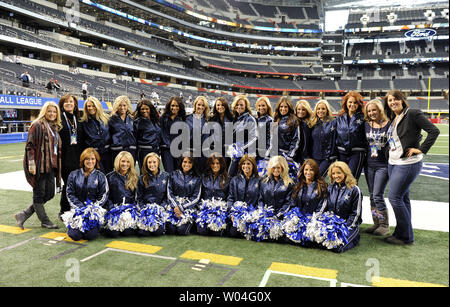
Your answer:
<point x="426" y="215"/>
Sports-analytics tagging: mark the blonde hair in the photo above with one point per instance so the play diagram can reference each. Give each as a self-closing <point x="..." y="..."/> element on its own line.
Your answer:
<point x="145" y="171"/>
<point x="266" y="100"/>
<point x="247" y="103"/>
<point x="41" y="116"/>
<point x="380" y="107"/>
<point x="205" y="103"/>
<point x="132" y="176"/>
<point x="349" y="181"/>
<point x="100" y="115"/>
<point x="279" y="160"/>
<point x="329" y="117"/>
<point x="118" y="101"/>
<point x="307" y="107"/>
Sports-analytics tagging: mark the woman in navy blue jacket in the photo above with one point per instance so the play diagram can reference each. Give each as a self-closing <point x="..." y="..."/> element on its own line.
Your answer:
<point x="345" y="201"/>
<point x="310" y="192"/>
<point x="146" y="130"/>
<point x="196" y="121"/>
<point x="351" y="134"/>
<point x="323" y="136"/>
<point x="215" y="184"/>
<point x="264" y="120"/>
<point x="276" y="187"/>
<point x="244" y="187"/>
<point x="304" y="114"/>
<point x="94" y="123"/>
<point x="122" y="184"/>
<point x="173" y="112"/>
<point x="121" y="128"/>
<point x="221" y="115"/>
<point x="288" y="129"/>
<point x="183" y="194"/>
<point x="152" y="188"/>
<point x="245" y="133"/>
<point x="87" y="182"/>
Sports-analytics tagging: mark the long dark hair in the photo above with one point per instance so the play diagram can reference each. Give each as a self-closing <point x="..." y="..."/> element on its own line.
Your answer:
<point x="223" y="168"/>
<point x="321" y="184"/>
<point x="191" y="158"/>
<point x="181" y="112"/>
<point x="216" y="116"/>
<point x="154" y="116"/>
<point x="292" y="121"/>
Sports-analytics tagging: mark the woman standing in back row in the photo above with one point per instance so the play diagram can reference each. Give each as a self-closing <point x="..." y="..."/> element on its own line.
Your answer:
<point x="72" y="142"/>
<point x="351" y="137"/>
<point x="405" y="159"/>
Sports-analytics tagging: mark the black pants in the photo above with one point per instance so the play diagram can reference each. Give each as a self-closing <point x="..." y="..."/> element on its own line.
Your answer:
<point x="44" y="189"/>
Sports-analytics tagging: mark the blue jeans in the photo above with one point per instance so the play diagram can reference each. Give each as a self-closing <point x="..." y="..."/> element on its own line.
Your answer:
<point x="400" y="179"/>
<point x="377" y="179"/>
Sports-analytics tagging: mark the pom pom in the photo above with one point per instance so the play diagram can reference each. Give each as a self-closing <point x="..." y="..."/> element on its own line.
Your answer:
<point x="235" y="151"/>
<point x="257" y="223"/>
<point x="294" y="167"/>
<point x="328" y="230"/>
<point x="188" y="216"/>
<point x="262" y="167"/>
<point x="91" y="216"/>
<point x="151" y="217"/>
<point x="294" y="225"/>
<point x="212" y="214"/>
<point x="121" y="217"/>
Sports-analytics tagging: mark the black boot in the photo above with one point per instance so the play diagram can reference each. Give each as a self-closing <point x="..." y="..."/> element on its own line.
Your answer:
<point x="42" y="215"/>
<point x="21" y="217"/>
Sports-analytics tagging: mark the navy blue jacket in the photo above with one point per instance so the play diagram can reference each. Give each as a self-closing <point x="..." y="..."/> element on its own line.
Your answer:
<point x="156" y="192"/>
<point x="264" y="123"/>
<point x="351" y="133"/>
<point x="184" y="185"/>
<point x="323" y="136"/>
<point x="245" y="190"/>
<point x="276" y="194"/>
<point x="96" y="134"/>
<point x="288" y="138"/>
<point x="211" y="187"/>
<point x="122" y="132"/>
<point x="245" y="125"/>
<point x="195" y="128"/>
<point x="344" y="202"/>
<point x="305" y="148"/>
<point x="117" y="190"/>
<point x="307" y="199"/>
<point x="79" y="188"/>
<point x="166" y="122"/>
<point x="224" y="126"/>
<point x="147" y="133"/>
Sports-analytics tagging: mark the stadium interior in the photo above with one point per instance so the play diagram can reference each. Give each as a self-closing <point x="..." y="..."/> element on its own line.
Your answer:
<point x="223" y="48"/>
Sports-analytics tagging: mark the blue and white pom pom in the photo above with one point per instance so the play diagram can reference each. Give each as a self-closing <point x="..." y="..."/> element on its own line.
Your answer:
<point x="151" y="217"/>
<point x="212" y="214"/>
<point x="328" y="230"/>
<point x="91" y="216"/>
<point x="295" y="224"/>
<point x="121" y="216"/>
<point x="294" y="167"/>
<point x="188" y="215"/>
<point x="235" y="151"/>
<point x="257" y="223"/>
<point x="262" y="167"/>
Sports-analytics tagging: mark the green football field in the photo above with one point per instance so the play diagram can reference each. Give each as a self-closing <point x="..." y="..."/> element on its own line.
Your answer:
<point x="40" y="257"/>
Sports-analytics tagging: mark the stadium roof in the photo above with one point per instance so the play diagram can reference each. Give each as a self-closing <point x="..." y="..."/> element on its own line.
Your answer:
<point x="331" y="4"/>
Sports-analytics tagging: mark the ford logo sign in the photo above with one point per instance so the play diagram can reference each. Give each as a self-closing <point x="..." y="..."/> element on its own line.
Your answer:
<point x="416" y="33"/>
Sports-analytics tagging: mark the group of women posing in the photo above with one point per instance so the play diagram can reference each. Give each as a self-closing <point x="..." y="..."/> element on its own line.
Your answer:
<point x="383" y="139"/>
